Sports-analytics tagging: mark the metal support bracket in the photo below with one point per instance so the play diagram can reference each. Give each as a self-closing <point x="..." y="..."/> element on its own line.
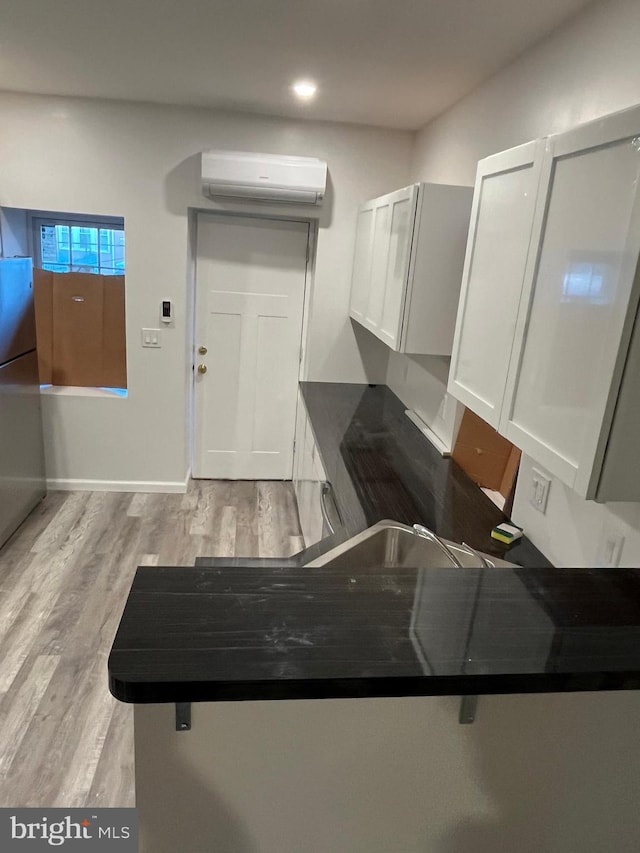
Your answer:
<point x="183" y="716"/>
<point x="468" y="707"/>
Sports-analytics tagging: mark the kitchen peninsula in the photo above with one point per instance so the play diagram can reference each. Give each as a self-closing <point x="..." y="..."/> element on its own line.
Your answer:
<point x="325" y="702"/>
<point x="326" y="709"/>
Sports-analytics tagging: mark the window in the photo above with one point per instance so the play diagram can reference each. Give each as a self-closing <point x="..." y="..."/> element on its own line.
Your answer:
<point x="80" y="245"/>
<point x="79" y="284"/>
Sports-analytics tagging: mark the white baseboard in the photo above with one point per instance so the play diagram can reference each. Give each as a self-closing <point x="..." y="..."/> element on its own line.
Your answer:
<point x="168" y="487"/>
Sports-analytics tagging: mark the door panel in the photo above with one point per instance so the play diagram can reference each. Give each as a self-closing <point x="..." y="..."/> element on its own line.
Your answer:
<point x="250" y="284"/>
<point x="224" y="334"/>
<point x="397" y="267"/>
<point x="575" y="306"/>
<point x="362" y="265"/>
<point x="495" y="264"/>
<point x="379" y="255"/>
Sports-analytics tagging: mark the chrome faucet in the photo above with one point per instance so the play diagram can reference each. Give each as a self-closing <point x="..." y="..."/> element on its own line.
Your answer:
<point x="423" y="531"/>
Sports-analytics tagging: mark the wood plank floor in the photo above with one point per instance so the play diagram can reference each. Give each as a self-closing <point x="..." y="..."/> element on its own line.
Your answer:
<point x="64" y="578"/>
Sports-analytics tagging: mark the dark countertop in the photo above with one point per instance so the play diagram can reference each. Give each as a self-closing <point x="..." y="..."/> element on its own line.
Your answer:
<point x="381" y="466"/>
<point x="272" y="629"/>
<point x="217" y="634"/>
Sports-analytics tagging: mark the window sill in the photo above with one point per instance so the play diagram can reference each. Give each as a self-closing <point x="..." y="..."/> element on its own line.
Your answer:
<point x="82" y="391"/>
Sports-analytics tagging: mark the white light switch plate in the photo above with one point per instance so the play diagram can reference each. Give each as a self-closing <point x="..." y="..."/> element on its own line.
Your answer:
<point x="610" y="549"/>
<point x="151" y="338"/>
<point x="539" y="490"/>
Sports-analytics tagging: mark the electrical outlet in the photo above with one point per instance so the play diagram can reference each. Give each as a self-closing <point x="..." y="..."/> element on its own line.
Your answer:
<point x="151" y="338"/>
<point x="610" y="549"/>
<point x="539" y="490"/>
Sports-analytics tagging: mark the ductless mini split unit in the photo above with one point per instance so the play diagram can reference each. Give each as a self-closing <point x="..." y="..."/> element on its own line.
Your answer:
<point x="264" y="177"/>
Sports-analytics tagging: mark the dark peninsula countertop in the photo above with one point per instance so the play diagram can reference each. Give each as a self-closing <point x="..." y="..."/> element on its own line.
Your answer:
<point x="217" y="634"/>
<point x="273" y="629"/>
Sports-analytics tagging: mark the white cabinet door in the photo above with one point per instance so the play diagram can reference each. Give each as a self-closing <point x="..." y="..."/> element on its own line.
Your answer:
<point x="301" y="426"/>
<point x="379" y="256"/>
<point x="400" y="227"/>
<point x="360" y="283"/>
<point x="317" y="518"/>
<point x="381" y="263"/>
<point x="392" y="239"/>
<point x="494" y="269"/>
<point x="309" y="477"/>
<point x="579" y="302"/>
<point x="306" y="495"/>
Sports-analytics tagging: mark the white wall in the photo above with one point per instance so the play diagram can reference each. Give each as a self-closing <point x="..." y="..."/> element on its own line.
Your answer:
<point x="535" y="773"/>
<point x="588" y="68"/>
<point x="138" y="161"/>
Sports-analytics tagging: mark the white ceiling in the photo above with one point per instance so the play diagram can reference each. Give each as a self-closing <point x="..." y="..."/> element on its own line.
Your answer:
<point x="396" y="63"/>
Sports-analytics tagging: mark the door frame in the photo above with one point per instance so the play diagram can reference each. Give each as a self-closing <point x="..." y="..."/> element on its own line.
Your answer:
<point x="192" y="262"/>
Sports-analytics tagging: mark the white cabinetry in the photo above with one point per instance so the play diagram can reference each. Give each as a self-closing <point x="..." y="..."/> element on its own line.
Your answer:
<point x="309" y="479"/>
<point x="494" y="267"/>
<point x="408" y="264"/>
<point x="566" y="389"/>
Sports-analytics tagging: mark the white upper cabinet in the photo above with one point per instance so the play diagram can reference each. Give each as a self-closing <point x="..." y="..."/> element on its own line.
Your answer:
<point x="579" y="303"/>
<point x="408" y="265"/>
<point x="547" y="348"/>
<point x="498" y="243"/>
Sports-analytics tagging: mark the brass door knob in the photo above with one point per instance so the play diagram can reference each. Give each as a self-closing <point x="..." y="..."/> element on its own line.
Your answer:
<point x="202" y="368"/>
<point x="202" y="350"/>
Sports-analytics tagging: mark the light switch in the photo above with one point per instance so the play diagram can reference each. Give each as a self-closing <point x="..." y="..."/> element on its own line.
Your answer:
<point x="151" y="338"/>
<point x="539" y="490"/>
<point x="611" y="546"/>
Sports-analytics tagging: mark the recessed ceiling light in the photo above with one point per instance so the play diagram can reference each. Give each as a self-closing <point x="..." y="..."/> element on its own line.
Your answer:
<point x="304" y="89"/>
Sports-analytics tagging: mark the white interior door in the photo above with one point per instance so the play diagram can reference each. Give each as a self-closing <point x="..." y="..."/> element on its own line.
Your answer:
<point x="250" y="284"/>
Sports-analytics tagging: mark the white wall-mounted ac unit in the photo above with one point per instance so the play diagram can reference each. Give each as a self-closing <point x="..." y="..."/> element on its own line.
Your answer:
<point x="266" y="177"/>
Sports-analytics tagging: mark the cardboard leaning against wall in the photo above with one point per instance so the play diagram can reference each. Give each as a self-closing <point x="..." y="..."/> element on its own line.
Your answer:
<point x="80" y="327"/>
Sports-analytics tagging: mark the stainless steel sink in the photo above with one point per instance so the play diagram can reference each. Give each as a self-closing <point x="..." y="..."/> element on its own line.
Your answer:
<point x="391" y="545"/>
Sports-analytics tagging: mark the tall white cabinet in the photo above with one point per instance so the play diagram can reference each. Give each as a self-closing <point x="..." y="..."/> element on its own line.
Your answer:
<point x="408" y="264"/>
<point x="554" y="288"/>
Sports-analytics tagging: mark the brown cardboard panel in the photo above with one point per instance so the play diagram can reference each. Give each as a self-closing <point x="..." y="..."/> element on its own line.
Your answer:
<point x="43" y="301"/>
<point x="77" y="323"/>
<point x="114" y="342"/>
<point x="510" y="472"/>
<point x="485" y="468"/>
<point x="510" y="481"/>
<point x="483" y="453"/>
<point x="474" y="432"/>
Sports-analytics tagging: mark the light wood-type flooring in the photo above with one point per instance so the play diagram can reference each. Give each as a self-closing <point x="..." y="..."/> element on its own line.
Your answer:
<point x="64" y="578"/>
